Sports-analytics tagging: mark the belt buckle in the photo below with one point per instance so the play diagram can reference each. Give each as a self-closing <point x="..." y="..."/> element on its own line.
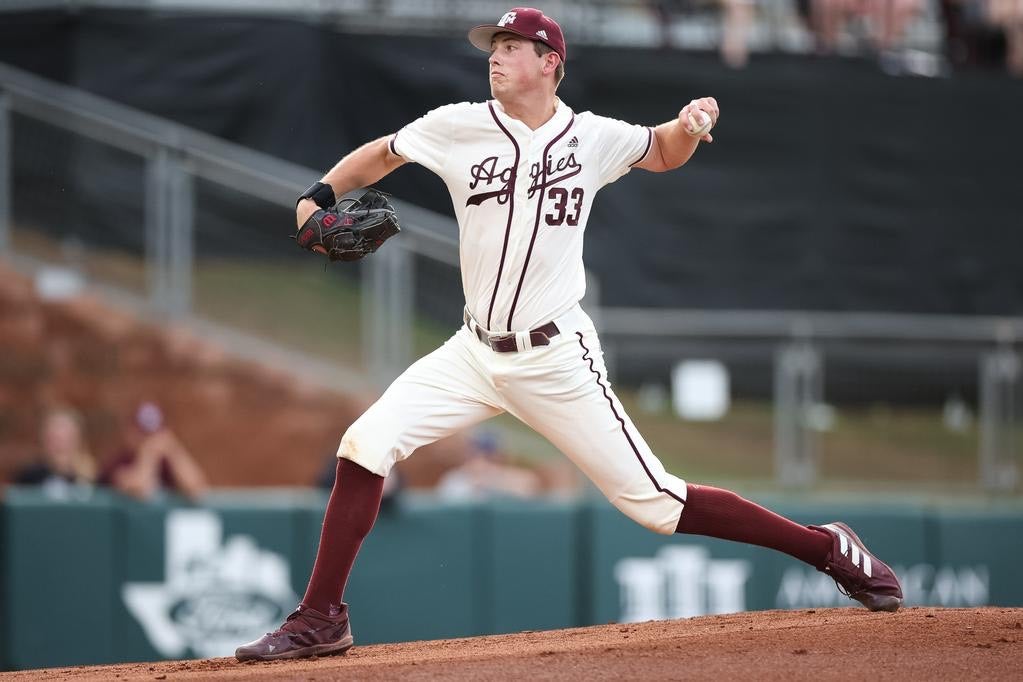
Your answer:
<point x="489" y="339"/>
<point x="494" y="340"/>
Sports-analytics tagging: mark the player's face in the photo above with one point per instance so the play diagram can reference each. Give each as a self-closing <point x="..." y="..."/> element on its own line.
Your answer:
<point x="514" y="65"/>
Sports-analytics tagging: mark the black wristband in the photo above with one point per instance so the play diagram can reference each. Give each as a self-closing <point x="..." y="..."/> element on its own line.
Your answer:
<point x="321" y="193"/>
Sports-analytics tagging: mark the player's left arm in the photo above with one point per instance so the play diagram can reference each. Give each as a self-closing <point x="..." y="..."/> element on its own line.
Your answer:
<point x="361" y="168"/>
<point x="672" y="144"/>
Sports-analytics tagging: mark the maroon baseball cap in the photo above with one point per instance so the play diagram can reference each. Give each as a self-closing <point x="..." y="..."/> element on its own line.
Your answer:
<point x="523" y="21"/>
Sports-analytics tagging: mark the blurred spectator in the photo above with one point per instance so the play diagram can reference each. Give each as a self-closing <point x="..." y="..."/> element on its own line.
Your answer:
<point x="736" y="23"/>
<point x="985" y="33"/>
<point x="889" y="20"/>
<point x="64" y="459"/>
<point x="1008" y="16"/>
<point x="153" y="460"/>
<point x="883" y="23"/>
<point x="487" y="472"/>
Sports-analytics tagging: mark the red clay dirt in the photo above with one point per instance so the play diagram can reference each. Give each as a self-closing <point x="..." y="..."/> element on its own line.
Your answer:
<point x="914" y="644"/>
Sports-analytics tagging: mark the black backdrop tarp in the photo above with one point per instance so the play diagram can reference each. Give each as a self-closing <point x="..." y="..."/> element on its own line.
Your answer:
<point x="830" y="185"/>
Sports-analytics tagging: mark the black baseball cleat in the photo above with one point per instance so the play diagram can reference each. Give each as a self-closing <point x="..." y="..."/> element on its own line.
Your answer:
<point x="306" y="632"/>
<point x="859" y="574"/>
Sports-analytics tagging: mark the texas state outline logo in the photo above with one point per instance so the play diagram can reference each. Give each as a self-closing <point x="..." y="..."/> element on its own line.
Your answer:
<point x="215" y="594"/>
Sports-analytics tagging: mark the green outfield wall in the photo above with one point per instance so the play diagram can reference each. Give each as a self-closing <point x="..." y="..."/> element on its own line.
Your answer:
<point x="98" y="578"/>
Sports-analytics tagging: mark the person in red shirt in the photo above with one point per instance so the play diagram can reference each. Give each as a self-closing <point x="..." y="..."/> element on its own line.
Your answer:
<point x="154" y="460"/>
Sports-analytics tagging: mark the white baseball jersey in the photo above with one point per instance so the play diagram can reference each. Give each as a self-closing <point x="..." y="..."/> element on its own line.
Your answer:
<point x="522" y="198"/>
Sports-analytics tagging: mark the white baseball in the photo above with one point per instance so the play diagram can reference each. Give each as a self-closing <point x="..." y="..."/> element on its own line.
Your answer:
<point x="699" y="128"/>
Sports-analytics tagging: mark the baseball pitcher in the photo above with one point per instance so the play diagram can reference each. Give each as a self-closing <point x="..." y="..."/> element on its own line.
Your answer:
<point x="523" y="170"/>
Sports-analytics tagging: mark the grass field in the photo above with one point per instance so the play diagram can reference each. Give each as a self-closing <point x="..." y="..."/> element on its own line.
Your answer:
<point x="901" y="446"/>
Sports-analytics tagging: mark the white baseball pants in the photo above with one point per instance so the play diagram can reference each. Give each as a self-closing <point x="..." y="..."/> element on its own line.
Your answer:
<point x="560" y="390"/>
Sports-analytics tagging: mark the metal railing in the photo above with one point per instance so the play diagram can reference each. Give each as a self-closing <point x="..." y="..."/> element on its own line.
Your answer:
<point x="800" y="340"/>
<point x="175" y="156"/>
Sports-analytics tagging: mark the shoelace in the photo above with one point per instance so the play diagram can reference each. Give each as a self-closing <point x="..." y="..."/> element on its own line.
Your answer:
<point x="281" y="630"/>
<point x="842" y="588"/>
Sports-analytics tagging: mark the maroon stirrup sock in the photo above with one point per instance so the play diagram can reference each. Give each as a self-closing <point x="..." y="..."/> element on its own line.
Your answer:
<point x="722" y="514"/>
<point x="351" y="512"/>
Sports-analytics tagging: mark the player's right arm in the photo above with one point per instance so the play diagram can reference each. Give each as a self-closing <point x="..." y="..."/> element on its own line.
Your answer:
<point x="361" y="168"/>
<point x="672" y="146"/>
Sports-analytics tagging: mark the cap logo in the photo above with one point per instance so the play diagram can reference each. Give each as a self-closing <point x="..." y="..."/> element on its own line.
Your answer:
<point x="542" y="33"/>
<point x="508" y="18"/>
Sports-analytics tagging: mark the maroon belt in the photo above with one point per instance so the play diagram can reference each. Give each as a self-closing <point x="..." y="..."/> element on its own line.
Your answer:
<point x="505" y="343"/>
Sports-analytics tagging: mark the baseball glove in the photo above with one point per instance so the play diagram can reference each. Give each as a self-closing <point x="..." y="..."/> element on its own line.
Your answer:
<point x="352" y="229"/>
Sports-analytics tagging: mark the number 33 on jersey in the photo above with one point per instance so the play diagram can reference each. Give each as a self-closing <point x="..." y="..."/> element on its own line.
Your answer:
<point x="521" y="198"/>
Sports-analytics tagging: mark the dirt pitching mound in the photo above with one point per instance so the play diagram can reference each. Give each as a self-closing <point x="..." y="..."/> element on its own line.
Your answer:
<point x="916" y="643"/>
